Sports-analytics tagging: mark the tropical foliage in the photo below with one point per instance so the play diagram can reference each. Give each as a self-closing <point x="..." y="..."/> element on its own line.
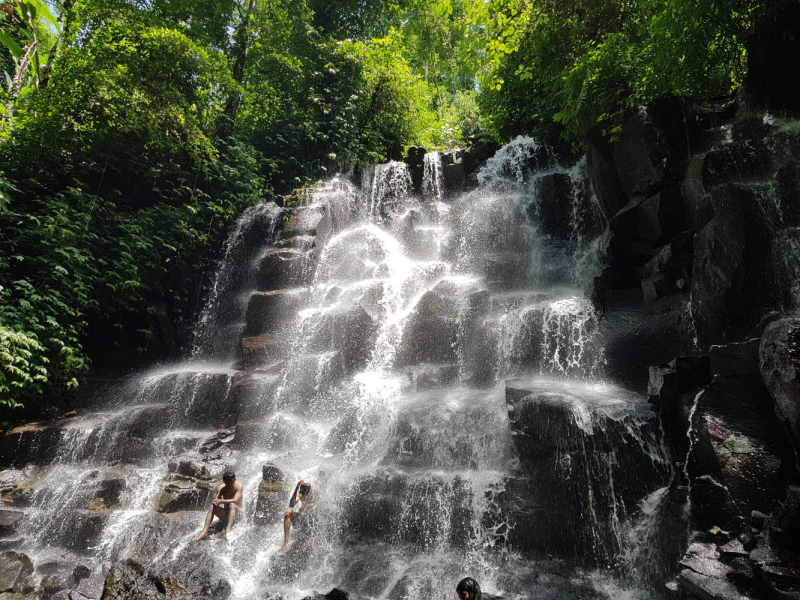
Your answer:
<point x="132" y="132"/>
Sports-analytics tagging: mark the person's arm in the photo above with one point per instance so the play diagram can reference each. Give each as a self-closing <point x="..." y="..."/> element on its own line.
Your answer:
<point x="217" y="498"/>
<point x="294" y="499"/>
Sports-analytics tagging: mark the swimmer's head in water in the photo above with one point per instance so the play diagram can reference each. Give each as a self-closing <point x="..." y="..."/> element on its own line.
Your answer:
<point x="305" y="489"/>
<point x="468" y="589"/>
<point x="228" y="476"/>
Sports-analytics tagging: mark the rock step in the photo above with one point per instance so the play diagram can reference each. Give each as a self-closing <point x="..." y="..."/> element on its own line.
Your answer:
<point x="285" y="268"/>
<point x="268" y="312"/>
<point x="262" y="349"/>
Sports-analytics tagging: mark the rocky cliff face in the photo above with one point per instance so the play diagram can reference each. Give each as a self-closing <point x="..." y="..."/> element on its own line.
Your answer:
<point x="701" y="263"/>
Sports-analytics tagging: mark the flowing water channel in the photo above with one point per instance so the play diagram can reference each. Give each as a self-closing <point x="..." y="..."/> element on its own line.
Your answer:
<point x="439" y="382"/>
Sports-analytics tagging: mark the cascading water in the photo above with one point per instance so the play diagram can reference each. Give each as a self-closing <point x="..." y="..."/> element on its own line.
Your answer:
<point x="432" y="176"/>
<point x="386" y="382"/>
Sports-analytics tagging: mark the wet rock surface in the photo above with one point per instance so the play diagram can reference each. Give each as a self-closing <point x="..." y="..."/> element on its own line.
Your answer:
<point x="273" y="494"/>
<point x="780" y="367"/>
<point x="16" y="570"/>
<point x="739" y="450"/>
<point x="266" y="311"/>
<point x="590" y="445"/>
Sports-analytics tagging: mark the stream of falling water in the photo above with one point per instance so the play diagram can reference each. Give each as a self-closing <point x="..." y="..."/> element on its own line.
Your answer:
<point x="390" y="398"/>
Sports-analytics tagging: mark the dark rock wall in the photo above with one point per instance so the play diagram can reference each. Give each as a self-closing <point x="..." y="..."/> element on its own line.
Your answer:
<point x="700" y="239"/>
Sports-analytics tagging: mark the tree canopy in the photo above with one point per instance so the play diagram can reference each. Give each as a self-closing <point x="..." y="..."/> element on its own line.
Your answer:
<point x="132" y="132"/>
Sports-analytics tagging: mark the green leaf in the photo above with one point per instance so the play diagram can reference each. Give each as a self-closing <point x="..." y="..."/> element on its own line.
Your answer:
<point x="42" y="9"/>
<point x="11" y="44"/>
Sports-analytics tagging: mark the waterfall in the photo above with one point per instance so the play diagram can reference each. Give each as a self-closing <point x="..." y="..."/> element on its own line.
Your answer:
<point x="436" y="373"/>
<point x="221" y="319"/>
<point x="432" y="178"/>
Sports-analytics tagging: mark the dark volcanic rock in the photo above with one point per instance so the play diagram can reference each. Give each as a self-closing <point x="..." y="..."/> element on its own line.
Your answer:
<point x="697" y="202"/>
<point x="453" y="177"/>
<point x="415" y="155"/>
<point x="348" y="329"/>
<point x="307" y="220"/>
<point x="785" y="523"/>
<point x="273" y="493"/>
<point x="38" y="443"/>
<point x="285" y="268"/>
<point x="642" y="154"/>
<point x="735" y="359"/>
<point x="604" y="175"/>
<point x="268" y="311"/>
<point x="734" y="162"/>
<point x="731" y="286"/>
<point x="15" y="488"/>
<point x="741" y="459"/>
<point x="708" y="587"/>
<point x="780" y="367"/>
<point x="430" y="335"/>
<point x="566" y="441"/>
<point x="185" y="495"/>
<point x="132" y="450"/>
<point x="672" y="388"/>
<point x="10" y="521"/>
<point x="16" y="570"/>
<point x="661" y="217"/>
<point x="553" y="207"/>
<point x="193" y="575"/>
<point x="478" y="153"/>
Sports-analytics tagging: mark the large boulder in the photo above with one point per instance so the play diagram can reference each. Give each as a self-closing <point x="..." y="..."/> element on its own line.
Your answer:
<point x="431" y="330"/>
<point x="642" y="154"/>
<point x="262" y="349"/>
<point x="578" y="455"/>
<point x="780" y="367"/>
<point x="732" y="284"/>
<point x="84" y="529"/>
<point x="478" y="153"/>
<point x="307" y="220"/>
<point x="672" y="388"/>
<point x="16" y="570"/>
<point x="185" y="494"/>
<point x="661" y="217"/>
<point x="697" y="202"/>
<point x="604" y="175"/>
<point x="15" y="488"/>
<point x="734" y="163"/>
<point x="195" y="574"/>
<point x="552" y="206"/>
<point x="453" y="177"/>
<point x="415" y="155"/>
<point x="273" y="492"/>
<point x="10" y="520"/>
<point x="347" y="328"/>
<point x="129" y="580"/>
<point x="741" y="459"/>
<point x="785" y="522"/>
<point x="39" y="443"/>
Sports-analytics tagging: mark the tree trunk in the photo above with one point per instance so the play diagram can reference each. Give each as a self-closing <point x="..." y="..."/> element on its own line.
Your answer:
<point x="240" y="49"/>
<point x="44" y="77"/>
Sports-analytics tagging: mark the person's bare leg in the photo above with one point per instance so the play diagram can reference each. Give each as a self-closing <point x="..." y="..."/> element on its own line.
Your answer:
<point x="210" y="516"/>
<point x="287" y="523"/>
<point x="232" y="511"/>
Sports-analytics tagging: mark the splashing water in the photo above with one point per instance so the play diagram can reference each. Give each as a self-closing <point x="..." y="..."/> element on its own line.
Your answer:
<point x="387" y="392"/>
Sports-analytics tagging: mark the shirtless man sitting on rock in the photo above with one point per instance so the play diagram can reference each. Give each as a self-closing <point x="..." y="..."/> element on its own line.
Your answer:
<point x="226" y="505"/>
